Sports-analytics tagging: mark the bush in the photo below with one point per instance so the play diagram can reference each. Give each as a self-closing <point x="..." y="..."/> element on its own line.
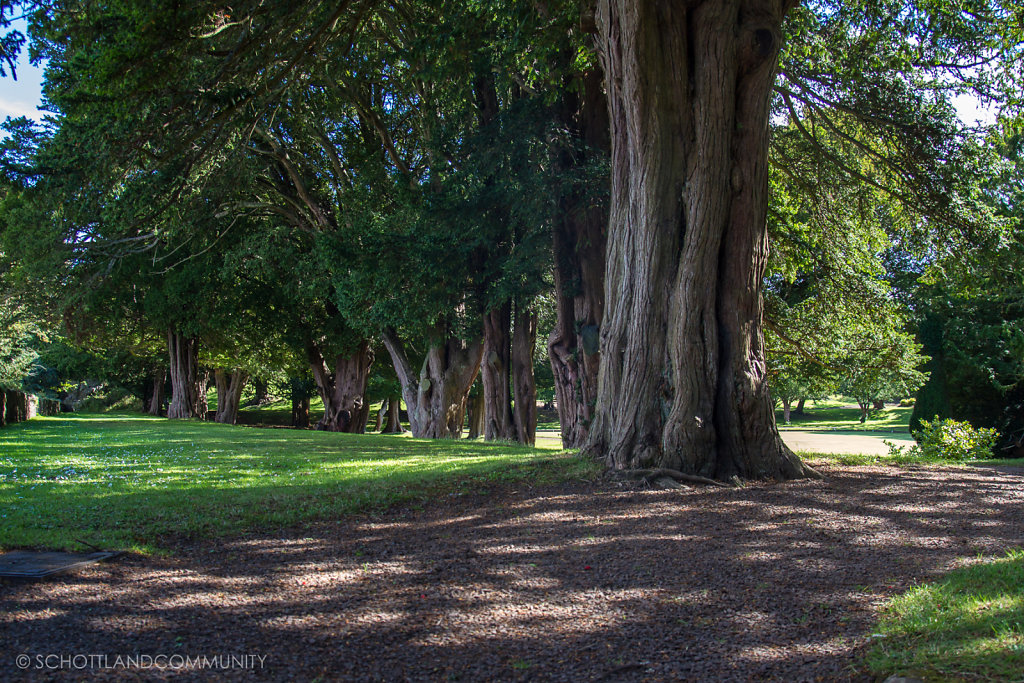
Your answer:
<point x="948" y="440"/>
<point x="907" y="402"/>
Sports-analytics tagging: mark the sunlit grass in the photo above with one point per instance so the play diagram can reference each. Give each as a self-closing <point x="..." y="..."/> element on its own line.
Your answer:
<point x="831" y="415"/>
<point x="133" y="482"/>
<point x="967" y="626"/>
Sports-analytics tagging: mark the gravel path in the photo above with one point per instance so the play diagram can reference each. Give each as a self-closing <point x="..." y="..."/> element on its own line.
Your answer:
<point x="578" y="582"/>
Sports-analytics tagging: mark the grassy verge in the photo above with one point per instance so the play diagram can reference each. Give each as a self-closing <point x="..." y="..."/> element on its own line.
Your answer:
<point x="831" y="415"/>
<point x="967" y="626"/>
<point x="132" y="482"/>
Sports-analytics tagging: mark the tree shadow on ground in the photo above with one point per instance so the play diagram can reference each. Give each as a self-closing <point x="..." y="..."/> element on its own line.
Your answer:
<point x="574" y="582"/>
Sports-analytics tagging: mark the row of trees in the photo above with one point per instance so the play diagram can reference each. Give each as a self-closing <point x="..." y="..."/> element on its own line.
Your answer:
<point x="324" y="186"/>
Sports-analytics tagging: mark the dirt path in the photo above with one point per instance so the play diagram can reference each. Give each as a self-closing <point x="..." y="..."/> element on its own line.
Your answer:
<point x="570" y="583"/>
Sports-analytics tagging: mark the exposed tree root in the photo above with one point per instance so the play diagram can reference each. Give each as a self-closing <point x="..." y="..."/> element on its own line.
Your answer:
<point x="651" y="475"/>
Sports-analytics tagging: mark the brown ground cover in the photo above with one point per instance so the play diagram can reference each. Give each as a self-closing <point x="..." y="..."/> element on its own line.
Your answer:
<point x="577" y="582"/>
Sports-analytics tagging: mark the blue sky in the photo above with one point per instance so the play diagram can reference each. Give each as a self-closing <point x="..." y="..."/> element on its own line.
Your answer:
<point x="21" y="97"/>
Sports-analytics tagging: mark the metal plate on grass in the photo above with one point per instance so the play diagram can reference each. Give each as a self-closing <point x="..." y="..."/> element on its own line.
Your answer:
<point x="26" y="564"/>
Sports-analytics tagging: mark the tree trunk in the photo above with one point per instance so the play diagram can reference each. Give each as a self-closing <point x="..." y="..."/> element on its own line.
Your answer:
<point x="865" y="406"/>
<point x="300" y="404"/>
<point x="185" y="377"/>
<point x="3" y="407"/>
<point x="380" y="415"/>
<point x="579" y="242"/>
<point x="786" y="403"/>
<point x="799" y="410"/>
<point x="394" y="421"/>
<point x="229" y="394"/>
<point x="494" y="373"/>
<point x="261" y="392"/>
<point x="436" y="398"/>
<point x="156" y="397"/>
<point x="342" y="390"/>
<point x="202" y="405"/>
<point x="525" y="388"/>
<point x="360" y="416"/>
<point x="878" y="405"/>
<point x="477" y="410"/>
<point x="683" y="383"/>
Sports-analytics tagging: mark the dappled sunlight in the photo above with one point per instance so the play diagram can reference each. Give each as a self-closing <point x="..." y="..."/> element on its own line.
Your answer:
<point x="677" y="583"/>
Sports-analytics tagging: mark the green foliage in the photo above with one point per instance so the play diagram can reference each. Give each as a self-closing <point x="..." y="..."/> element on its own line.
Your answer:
<point x="948" y="440"/>
<point x="966" y="626"/>
<point x="130" y="482"/>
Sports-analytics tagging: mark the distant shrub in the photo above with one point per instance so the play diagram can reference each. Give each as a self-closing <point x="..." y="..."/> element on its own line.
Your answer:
<point x="947" y="440"/>
<point x="907" y="402"/>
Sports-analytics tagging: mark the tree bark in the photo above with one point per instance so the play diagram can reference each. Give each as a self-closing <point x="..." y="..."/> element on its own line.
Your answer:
<point x="261" y="392"/>
<point x="436" y="398"/>
<point x="524" y="387"/>
<point x="786" y="403"/>
<point x="683" y="382"/>
<point x="230" y="385"/>
<point x="380" y="415"/>
<point x="799" y="410"/>
<point x="343" y="389"/>
<point x="477" y="410"/>
<point x="579" y="244"/>
<point x="878" y="405"/>
<point x="156" y="397"/>
<point x="185" y="377"/>
<point x="393" y="425"/>
<point x="3" y="408"/>
<point x="494" y="373"/>
<point x="202" y="405"/>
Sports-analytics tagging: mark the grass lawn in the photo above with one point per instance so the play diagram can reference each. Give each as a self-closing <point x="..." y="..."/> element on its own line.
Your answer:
<point x="834" y="415"/>
<point x="967" y="626"/>
<point x="121" y="481"/>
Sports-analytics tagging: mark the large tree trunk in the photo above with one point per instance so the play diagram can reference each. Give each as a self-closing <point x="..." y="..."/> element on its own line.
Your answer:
<point x="343" y="389"/>
<point x="524" y="387"/>
<point x="436" y="398"/>
<point x="229" y="394"/>
<point x="393" y="425"/>
<point x="185" y="377"/>
<point x="477" y="411"/>
<point x="683" y="382"/>
<point x="494" y="373"/>
<point x="156" y="397"/>
<point x="579" y="242"/>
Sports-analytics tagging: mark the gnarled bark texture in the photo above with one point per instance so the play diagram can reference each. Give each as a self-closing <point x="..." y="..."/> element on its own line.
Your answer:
<point x="188" y="386"/>
<point x="494" y="374"/>
<point x="230" y="384"/>
<point x="523" y="384"/>
<point x="682" y="381"/>
<point x="579" y="251"/>
<point x="436" y="397"/>
<point x="342" y="389"/>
